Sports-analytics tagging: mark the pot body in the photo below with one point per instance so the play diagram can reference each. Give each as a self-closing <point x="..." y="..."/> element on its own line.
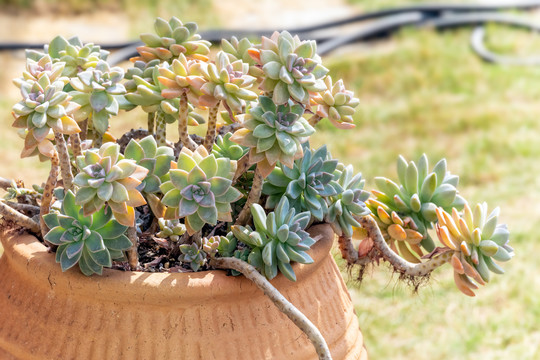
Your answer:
<point x="47" y="314"/>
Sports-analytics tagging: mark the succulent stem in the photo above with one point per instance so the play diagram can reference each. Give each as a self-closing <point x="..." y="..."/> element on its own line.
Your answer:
<point x="211" y="131"/>
<point x="398" y="263"/>
<point x="183" y="124"/>
<point x="132" y="254"/>
<point x="151" y="123"/>
<point x="242" y="166"/>
<point x="296" y="316"/>
<point x="5" y="183"/>
<point x="253" y="198"/>
<point x="98" y="139"/>
<point x="84" y="129"/>
<point x="22" y="207"/>
<point x="65" y="163"/>
<point x="314" y="120"/>
<point x="75" y="144"/>
<point x="18" y="218"/>
<point x="349" y="253"/>
<point x="48" y="193"/>
<point x="161" y="128"/>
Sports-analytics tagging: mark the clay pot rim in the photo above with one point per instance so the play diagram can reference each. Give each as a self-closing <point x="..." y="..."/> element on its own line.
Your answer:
<point x="29" y="255"/>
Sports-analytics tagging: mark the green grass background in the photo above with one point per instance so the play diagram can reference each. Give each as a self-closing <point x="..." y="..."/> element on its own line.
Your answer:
<point x="426" y="92"/>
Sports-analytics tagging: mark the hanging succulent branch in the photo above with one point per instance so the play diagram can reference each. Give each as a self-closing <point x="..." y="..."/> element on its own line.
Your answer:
<point x="151" y="119"/>
<point x="48" y="192"/>
<point x="132" y="253"/>
<point x="253" y="198"/>
<point x="65" y="163"/>
<point x="22" y="220"/>
<point x="296" y="316"/>
<point x="314" y="120"/>
<point x="212" y="124"/>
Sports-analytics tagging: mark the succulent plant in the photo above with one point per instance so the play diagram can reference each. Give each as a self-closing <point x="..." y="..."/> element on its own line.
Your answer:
<point x="172" y="38"/>
<point x="419" y="194"/>
<point x="305" y="184"/>
<point x="76" y="55"/>
<point x="193" y="254"/>
<point x="200" y="190"/>
<point x="182" y="76"/>
<point x="274" y="133"/>
<point x="292" y="68"/>
<point x="239" y="50"/>
<point x="149" y="97"/>
<point x="337" y="104"/>
<point x="476" y="240"/>
<point x="279" y="238"/>
<point x="40" y="65"/>
<point x="144" y="70"/>
<point x="45" y="108"/>
<point x="96" y="90"/>
<point x="171" y="229"/>
<point x="346" y="206"/>
<point x="226" y="81"/>
<point x="107" y="178"/>
<point x="225" y="148"/>
<point x="92" y="241"/>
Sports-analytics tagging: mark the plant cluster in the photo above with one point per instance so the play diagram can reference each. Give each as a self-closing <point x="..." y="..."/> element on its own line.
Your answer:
<point x="249" y="193"/>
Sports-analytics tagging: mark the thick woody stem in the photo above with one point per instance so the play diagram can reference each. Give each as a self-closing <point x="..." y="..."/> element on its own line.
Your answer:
<point x="161" y="128"/>
<point x="65" y="163"/>
<point x="297" y="317"/>
<point x="84" y="129"/>
<point x="151" y="123"/>
<point x="75" y="144"/>
<point x="18" y="218"/>
<point x="399" y="264"/>
<point x="314" y="120"/>
<point x="242" y="166"/>
<point x="132" y="253"/>
<point x="183" y="124"/>
<point x="48" y="193"/>
<point x="98" y="139"/>
<point x="5" y="183"/>
<point x="349" y="253"/>
<point x="253" y="198"/>
<point x="22" y="207"/>
<point x="211" y="131"/>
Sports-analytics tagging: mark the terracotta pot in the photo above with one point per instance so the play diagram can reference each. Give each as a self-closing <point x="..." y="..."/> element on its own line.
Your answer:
<point x="47" y="314"/>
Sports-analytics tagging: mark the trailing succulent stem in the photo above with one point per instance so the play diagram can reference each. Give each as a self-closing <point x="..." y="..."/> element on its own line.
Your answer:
<point x="211" y="132"/>
<point x="314" y="120"/>
<point x="253" y="198"/>
<point x="131" y="253"/>
<point x="65" y="163"/>
<point x="349" y="253"/>
<point x="398" y="263"/>
<point x="48" y="193"/>
<point x="299" y="319"/>
<point x="10" y="213"/>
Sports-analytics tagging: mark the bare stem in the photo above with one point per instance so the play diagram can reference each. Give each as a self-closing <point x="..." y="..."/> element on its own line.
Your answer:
<point x="48" y="192"/>
<point x="65" y="163"/>
<point x="399" y="264"/>
<point x="18" y="218"/>
<point x="151" y="123"/>
<point x="242" y="166"/>
<point x="183" y="124"/>
<point x="284" y="305"/>
<point x="22" y="207"/>
<point x="253" y="198"/>
<point x="132" y="254"/>
<point x="349" y="253"/>
<point x="5" y="183"/>
<point x="211" y="131"/>
<point x="75" y="144"/>
<point x="161" y="128"/>
<point x="314" y="120"/>
<point x="84" y="129"/>
<point x="98" y="139"/>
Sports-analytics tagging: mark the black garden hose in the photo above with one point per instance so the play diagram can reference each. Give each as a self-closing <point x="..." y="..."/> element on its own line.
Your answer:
<point x="381" y="24"/>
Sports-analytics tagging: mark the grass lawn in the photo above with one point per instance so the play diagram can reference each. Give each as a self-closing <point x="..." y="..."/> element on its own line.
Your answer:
<point x="424" y="92"/>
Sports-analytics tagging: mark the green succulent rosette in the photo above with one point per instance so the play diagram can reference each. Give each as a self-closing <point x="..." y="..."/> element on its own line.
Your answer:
<point x="419" y="194"/>
<point x="337" y="104"/>
<point x="172" y="39"/>
<point x="141" y="69"/>
<point x="97" y="90"/>
<point x="292" y="68"/>
<point x="170" y="229"/>
<point x="477" y="241"/>
<point x="200" y="189"/>
<point x="278" y="240"/>
<point x="274" y="133"/>
<point x="226" y="81"/>
<point x="345" y="207"/>
<point x="306" y="184"/>
<point x="239" y="50"/>
<point x="92" y="241"/>
<point x="40" y="65"/>
<point x="45" y="107"/>
<point x="193" y="255"/>
<point x="224" y="147"/>
<point x="106" y="177"/>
